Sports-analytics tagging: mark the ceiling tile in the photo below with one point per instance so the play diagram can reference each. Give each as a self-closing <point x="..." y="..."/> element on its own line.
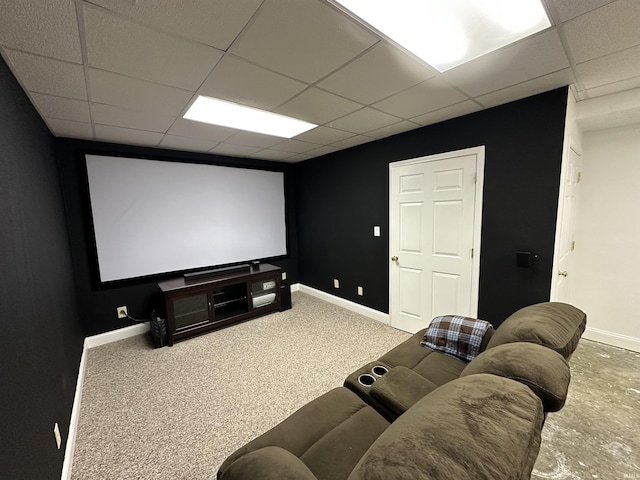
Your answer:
<point x="114" y="89"/>
<point x="300" y="157"/>
<point x="568" y="9"/>
<point x="353" y="141"/>
<point x="318" y="107"/>
<point x="251" y="139"/>
<point x="610" y="69"/>
<point x="48" y="28"/>
<point x="267" y="154"/>
<point x="447" y="113"/>
<point x="234" y="150"/>
<point x="403" y="126"/>
<point x="70" y="129"/>
<point x="122" y="117"/>
<point x="529" y="88"/>
<point x="296" y="146"/>
<point x="62" y="108"/>
<point x="108" y="133"/>
<point x="189" y="144"/>
<point x="238" y="81"/>
<point x="323" y="150"/>
<point x="364" y="120"/>
<point x="44" y="75"/>
<point x="304" y="39"/>
<point x="532" y="57"/>
<point x="205" y="131"/>
<point x="427" y="96"/>
<point x="216" y="23"/>
<point x="614" y="87"/>
<point x="380" y="72"/>
<point x="323" y="135"/>
<point x="609" y="29"/>
<point x="120" y="46"/>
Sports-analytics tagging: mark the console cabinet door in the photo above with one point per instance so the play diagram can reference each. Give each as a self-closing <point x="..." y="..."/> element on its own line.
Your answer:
<point x="191" y="311"/>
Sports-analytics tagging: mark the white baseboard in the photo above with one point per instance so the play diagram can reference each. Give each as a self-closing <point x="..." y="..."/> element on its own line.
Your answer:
<point x="115" y="335"/>
<point x="611" y="338"/>
<point x="75" y="415"/>
<point x="341" y="302"/>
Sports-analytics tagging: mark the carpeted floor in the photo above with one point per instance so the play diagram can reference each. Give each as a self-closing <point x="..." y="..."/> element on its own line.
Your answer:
<point x="179" y="412"/>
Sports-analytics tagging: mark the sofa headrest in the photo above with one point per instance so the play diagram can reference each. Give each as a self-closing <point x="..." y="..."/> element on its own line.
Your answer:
<point x="541" y="369"/>
<point x="555" y="325"/>
<point x="460" y="430"/>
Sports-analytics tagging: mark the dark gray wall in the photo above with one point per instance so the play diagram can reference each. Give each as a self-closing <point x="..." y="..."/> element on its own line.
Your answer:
<point x="99" y="302"/>
<point x="341" y="196"/>
<point x="41" y="339"/>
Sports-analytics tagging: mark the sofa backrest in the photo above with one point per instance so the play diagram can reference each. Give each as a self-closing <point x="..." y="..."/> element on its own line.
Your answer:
<point x="555" y="325"/>
<point x="478" y="427"/>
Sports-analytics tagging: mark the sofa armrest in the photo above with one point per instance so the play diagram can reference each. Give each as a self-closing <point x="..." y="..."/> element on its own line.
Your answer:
<point x="268" y="463"/>
<point x="400" y="388"/>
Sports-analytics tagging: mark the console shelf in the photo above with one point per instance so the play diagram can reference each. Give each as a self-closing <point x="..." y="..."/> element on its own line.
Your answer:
<point x="197" y="306"/>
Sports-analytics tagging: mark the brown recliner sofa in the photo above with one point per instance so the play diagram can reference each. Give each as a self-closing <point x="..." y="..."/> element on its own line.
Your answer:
<point x="477" y="420"/>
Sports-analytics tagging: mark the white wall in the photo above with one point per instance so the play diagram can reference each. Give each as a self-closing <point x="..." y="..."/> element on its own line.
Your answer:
<point x="607" y="267"/>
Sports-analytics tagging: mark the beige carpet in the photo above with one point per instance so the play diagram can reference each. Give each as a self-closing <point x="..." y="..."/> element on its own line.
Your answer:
<point x="177" y="413"/>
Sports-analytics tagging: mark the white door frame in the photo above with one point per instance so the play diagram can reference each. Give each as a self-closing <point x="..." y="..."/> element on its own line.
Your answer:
<point x="479" y="153"/>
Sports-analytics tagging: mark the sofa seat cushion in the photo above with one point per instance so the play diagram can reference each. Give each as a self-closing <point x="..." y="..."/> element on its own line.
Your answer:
<point x="407" y="354"/>
<point x="544" y="371"/>
<point x="555" y="325"/>
<point x="440" y="368"/>
<point x="479" y="427"/>
<point x="329" y="435"/>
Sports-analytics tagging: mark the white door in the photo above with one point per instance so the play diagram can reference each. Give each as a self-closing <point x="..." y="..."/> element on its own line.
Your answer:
<point x="435" y="218"/>
<point x="566" y="243"/>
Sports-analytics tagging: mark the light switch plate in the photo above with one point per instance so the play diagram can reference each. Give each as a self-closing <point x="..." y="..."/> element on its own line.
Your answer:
<point x="376" y="230"/>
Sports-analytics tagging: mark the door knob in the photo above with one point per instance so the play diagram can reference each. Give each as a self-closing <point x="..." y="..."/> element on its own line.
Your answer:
<point x="394" y="259"/>
<point x="563" y="273"/>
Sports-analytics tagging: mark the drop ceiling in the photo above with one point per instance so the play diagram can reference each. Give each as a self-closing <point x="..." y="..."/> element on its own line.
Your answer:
<point x="125" y="71"/>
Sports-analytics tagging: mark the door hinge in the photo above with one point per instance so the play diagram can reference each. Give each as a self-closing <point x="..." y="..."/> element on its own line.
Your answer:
<point x="472" y="253"/>
<point x="573" y="245"/>
<point x="475" y="177"/>
<point x="579" y="177"/>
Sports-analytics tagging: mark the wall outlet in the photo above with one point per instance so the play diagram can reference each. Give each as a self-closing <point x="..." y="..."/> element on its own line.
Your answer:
<point x="360" y="291"/>
<point x="122" y="311"/>
<point x="336" y="283"/>
<point x="284" y="275"/>
<point x="56" y="433"/>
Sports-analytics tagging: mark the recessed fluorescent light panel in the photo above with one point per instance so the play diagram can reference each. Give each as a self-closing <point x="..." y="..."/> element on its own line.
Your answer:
<point x="227" y="114"/>
<point x="448" y="33"/>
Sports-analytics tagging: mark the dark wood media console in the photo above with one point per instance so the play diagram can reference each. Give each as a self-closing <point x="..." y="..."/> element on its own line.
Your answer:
<point x="200" y="305"/>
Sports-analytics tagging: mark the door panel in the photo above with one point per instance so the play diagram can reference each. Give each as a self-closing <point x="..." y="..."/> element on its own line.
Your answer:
<point x="433" y="223"/>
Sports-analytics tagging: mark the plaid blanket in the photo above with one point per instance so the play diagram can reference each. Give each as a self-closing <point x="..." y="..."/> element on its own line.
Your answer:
<point x="456" y="336"/>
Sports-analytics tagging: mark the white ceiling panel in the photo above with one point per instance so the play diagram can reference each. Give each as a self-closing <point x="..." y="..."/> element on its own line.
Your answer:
<point x="62" y="108"/>
<point x="446" y="113"/>
<point x="48" y="28"/>
<point x="425" y="97"/>
<point x="121" y="46"/>
<point x="526" y="89"/>
<point x="119" y="90"/>
<point x="118" y="116"/>
<point x="184" y="143"/>
<point x="70" y="129"/>
<point x="127" y="70"/>
<point x="379" y="73"/>
<point x="318" y="107"/>
<point x="46" y="75"/>
<point x="609" y="29"/>
<point x="568" y="9"/>
<point x="234" y="150"/>
<point x="304" y="39"/>
<point x="217" y="24"/>
<point x="324" y="135"/>
<point x="530" y="58"/>
<point x="204" y="131"/>
<point x="618" y="66"/>
<point x="365" y="120"/>
<point x="108" y="133"/>
<point x="238" y="81"/>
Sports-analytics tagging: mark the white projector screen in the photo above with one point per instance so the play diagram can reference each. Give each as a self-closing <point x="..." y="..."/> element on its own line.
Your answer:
<point x="152" y="217"/>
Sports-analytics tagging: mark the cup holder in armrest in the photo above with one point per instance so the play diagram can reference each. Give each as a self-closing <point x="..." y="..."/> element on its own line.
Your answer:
<point x="366" y="379"/>
<point x="379" y="370"/>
